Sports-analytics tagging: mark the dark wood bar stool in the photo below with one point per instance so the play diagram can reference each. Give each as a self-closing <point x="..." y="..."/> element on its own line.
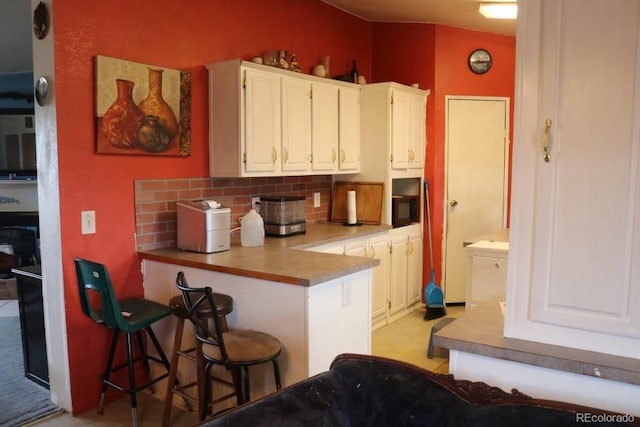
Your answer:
<point x="235" y="350"/>
<point x="224" y="306"/>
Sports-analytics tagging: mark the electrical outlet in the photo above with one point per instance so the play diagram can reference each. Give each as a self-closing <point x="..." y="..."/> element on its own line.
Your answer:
<point x="255" y="203"/>
<point x="316" y="199"/>
<point x="88" y="222"/>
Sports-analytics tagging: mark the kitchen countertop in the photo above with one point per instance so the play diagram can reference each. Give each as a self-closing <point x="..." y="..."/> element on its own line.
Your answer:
<point x="480" y="331"/>
<point x="281" y="259"/>
<point x="497" y="236"/>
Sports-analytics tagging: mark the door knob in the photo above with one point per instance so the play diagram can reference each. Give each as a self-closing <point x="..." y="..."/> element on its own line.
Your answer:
<point x="453" y="203"/>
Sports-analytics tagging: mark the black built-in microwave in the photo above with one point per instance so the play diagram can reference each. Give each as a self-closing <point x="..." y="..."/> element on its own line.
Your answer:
<point x="405" y="210"/>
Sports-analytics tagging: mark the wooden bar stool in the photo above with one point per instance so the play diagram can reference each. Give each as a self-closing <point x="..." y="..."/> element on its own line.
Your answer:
<point x="224" y="306"/>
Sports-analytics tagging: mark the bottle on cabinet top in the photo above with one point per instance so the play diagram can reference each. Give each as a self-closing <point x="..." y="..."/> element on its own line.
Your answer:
<point x="353" y="74"/>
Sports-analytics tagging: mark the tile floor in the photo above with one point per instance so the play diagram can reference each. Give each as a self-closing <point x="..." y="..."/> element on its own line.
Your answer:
<point x="405" y="339"/>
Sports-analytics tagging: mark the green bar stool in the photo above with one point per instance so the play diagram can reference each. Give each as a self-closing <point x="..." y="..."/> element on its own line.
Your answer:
<point x="224" y="306"/>
<point x="130" y="316"/>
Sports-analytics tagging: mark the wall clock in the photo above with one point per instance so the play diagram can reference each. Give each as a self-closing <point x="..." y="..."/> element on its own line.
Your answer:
<point x="480" y="61"/>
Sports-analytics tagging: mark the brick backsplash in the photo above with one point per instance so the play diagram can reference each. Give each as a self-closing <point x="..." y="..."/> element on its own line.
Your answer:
<point x="155" y="201"/>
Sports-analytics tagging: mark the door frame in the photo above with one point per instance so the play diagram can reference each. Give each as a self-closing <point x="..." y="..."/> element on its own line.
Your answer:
<point x="507" y="149"/>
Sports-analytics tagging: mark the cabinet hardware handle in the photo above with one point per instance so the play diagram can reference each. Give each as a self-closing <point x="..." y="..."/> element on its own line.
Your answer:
<point x="453" y="203"/>
<point x="274" y="155"/>
<point x="343" y="156"/>
<point x="497" y="265"/>
<point x="545" y="140"/>
<point x="286" y="155"/>
<point x="333" y="155"/>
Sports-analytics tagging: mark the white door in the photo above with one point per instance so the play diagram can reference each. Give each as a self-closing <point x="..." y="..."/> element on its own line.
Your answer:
<point x="477" y="132"/>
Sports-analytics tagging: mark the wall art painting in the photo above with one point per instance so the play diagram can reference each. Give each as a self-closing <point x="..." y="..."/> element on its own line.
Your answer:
<point x="142" y="109"/>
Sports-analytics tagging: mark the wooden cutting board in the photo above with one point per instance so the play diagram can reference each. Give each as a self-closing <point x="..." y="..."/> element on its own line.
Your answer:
<point x="368" y="201"/>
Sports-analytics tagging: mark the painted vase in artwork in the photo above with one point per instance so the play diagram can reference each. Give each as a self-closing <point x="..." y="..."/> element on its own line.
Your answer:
<point x="155" y="105"/>
<point x="122" y="119"/>
<point x="152" y="136"/>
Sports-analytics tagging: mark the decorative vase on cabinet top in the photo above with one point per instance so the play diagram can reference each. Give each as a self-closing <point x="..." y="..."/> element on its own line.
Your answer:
<point x="122" y="119"/>
<point x="155" y="105"/>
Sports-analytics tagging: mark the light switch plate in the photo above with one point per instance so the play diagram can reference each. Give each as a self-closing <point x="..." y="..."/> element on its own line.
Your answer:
<point x="316" y="199"/>
<point x="88" y="222"/>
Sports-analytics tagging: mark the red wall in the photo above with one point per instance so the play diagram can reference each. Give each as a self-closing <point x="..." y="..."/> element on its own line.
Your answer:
<point x="186" y="35"/>
<point x="435" y="56"/>
<point x="171" y="33"/>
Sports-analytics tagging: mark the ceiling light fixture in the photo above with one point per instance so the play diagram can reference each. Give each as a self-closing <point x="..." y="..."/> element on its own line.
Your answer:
<point x="499" y="10"/>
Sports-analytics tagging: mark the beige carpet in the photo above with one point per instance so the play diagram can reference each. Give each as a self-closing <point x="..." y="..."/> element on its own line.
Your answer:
<point x="407" y="339"/>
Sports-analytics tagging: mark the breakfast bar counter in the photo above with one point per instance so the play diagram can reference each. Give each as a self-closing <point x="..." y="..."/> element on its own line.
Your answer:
<point x="280" y="259"/>
<point x="317" y="304"/>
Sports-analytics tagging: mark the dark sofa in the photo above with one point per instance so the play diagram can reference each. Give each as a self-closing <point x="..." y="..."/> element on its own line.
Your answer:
<point x="372" y="391"/>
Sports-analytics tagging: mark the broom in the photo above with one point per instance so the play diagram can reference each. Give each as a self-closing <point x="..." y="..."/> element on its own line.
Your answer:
<point x="433" y="295"/>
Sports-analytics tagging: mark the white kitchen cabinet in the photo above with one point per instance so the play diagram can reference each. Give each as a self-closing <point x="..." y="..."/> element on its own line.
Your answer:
<point x="380" y="280"/>
<point x="388" y="116"/>
<point x="357" y="248"/>
<point x="406" y="283"/>
<point x="574" y="270"/>
<point x="414" y="268"/>
<point x="244" y="129"/>
<point x="487" y="276"/>
<point x="265" y="121"/>
<point x="296" y="124"/>
<point x="396" y="284"/>
<point x="399" y="275"/>
<point x="389" y="279"/>
<point x="325" y="129"/>
<point x="349" y="120"/>
<point x="408" y="138"/>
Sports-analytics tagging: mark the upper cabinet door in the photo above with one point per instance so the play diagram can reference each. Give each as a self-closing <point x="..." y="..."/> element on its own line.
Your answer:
<point x="261" y="121"/>
<point x="400" y="129"/>
<point x="296" y="124"/>
<point x="575" y="226"/>
<point x="417" y="133"/>
<point x="324" y="141"/>
<point x="349" y="110"/>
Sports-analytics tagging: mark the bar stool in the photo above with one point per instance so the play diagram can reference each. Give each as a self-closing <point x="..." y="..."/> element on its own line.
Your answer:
<point x="224" y="306"/>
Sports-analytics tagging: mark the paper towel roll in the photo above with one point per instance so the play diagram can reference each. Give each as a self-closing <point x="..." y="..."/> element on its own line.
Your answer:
<point x="351" y="207"/>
